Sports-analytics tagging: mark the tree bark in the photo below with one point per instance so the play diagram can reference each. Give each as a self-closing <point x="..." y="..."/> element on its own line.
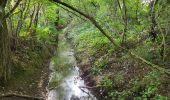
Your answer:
<point x="31" y="18"/>
<point x="12" y="10"/>
<point x="125" y="19"/>
<point x="153" y="32"/>
<point x="5" y="69"/>
<point x="37" y="16"/>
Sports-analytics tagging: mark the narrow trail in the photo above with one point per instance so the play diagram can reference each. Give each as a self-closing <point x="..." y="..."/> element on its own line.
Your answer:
<point x="65" y="75"/>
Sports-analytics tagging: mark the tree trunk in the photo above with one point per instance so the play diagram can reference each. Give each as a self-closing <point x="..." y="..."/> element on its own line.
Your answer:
<point x="21" y="19"/>
<point x="153" y="32"/>
<point x="36" y="17"/>
<point x="5" y="69"/>
<point x="125" y="19"/>
<point x="31" y="18"/>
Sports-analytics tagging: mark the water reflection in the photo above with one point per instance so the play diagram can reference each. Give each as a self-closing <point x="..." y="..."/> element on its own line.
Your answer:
<point x="70" y="89"/>
<point x="65" y="78"/>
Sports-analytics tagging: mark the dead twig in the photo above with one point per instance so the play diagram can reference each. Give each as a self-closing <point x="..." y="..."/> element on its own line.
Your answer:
<point x="84" y="91"/>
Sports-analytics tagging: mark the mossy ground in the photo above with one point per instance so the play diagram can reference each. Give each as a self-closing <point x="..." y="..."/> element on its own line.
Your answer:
<point x="30" y="71"/>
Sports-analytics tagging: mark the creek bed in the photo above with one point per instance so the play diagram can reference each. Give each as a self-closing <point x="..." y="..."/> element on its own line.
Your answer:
<point x="65" y="81"/>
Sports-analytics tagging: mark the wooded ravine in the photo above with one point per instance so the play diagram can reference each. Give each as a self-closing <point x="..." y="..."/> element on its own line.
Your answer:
<point x="84" y="49"/>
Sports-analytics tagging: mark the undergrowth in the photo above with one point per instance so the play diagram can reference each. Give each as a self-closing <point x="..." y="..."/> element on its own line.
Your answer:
<point x="122" y="76"/>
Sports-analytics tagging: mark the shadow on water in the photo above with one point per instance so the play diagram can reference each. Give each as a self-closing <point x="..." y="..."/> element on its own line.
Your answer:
<point x="64" y="81"/>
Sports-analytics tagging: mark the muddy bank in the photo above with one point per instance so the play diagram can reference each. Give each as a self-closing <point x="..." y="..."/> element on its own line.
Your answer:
<point x="85" y="73"/>
<point x="124" y="79"/>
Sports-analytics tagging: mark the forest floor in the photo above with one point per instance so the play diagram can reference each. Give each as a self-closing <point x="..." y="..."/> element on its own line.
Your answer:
<point x="119" y="75"/>
<point x="114" y="74"/>
<point x="128" y="77"/>
<point x="30" y="78"/>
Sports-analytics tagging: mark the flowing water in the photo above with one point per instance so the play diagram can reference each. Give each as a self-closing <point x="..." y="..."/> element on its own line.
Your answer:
<point x="65" y="81"/>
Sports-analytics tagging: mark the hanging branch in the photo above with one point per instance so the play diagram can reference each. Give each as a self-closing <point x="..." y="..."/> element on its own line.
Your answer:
<point x="92" y="20"/>
<point x="12" y="10"/>
<point x="72" y="12"/>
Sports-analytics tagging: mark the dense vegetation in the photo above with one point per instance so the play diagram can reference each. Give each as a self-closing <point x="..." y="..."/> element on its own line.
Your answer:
<point x="122" y="46"/>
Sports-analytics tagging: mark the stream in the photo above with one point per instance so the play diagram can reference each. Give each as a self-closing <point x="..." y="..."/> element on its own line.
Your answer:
<point x="65" y="82"/>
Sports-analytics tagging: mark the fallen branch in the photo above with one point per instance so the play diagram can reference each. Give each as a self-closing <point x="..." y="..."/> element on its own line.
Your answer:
<point x="97" y="86"/>
<point x="72" y="12"/>
<point x="88" y="87"/>
<point x="22" y="96"/>
<point x="160" y="69"/>
<point x="84" y="91"/>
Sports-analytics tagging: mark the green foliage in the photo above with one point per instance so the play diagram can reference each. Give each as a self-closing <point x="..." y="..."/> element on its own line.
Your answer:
<point x="99" y="65"/>
<point x="159" y="97"/>
<point x="24" y="34"/>
<point x="118" y="95"/>
<point x="133" y="21"/>
<point x="150" y="52"/>
<point x="152" y="81"/>
<point x="43" y="33"/>
<point x="106" y="81"/>
<point x="119" y="78"/>
<point x="51" y="11"/>
<point x="90" y="38"/>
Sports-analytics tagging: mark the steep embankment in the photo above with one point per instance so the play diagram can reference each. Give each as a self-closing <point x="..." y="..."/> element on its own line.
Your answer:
<point x="115" y="74"/>
<point x="31" y="70"/>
